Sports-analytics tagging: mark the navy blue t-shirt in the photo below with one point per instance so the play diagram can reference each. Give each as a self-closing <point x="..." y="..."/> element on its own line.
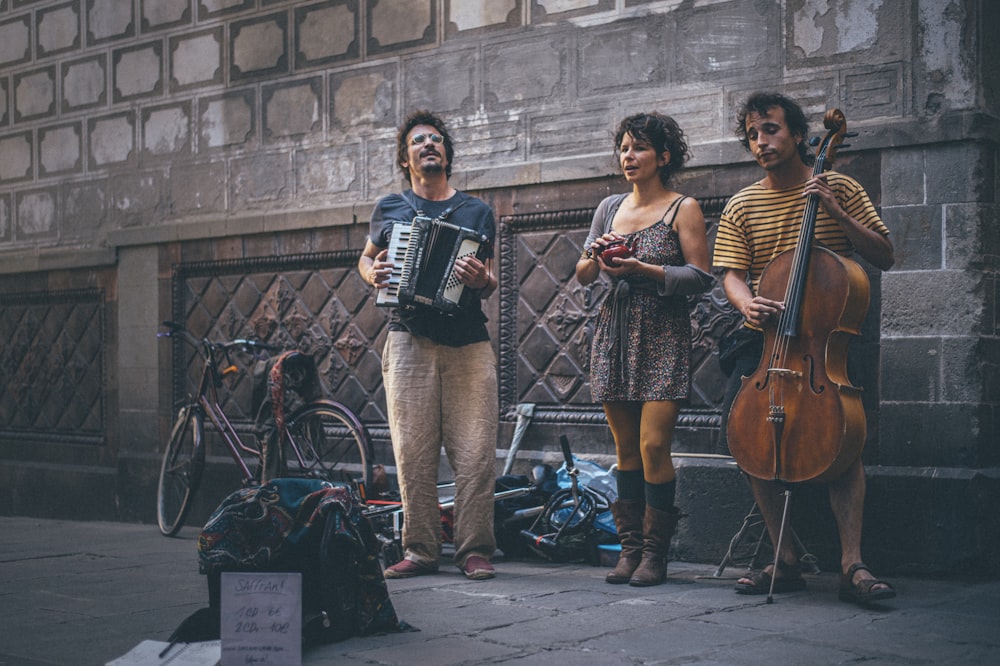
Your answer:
<point x="468" y="324"/>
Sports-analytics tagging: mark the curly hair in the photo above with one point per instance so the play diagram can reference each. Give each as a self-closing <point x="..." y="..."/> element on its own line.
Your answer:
<point x="762" y="102"/>
<point x="402" y="145"/>
<point x="661" y="132"/>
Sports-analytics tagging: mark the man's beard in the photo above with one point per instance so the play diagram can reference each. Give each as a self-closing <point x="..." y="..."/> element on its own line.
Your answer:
<point x="431" y="167"/>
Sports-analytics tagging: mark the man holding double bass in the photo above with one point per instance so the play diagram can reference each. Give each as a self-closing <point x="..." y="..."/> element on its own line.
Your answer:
<point x="759" y="223"/>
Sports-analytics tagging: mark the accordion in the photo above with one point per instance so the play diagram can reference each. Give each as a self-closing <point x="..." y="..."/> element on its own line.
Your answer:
<point x="423" y="254"/>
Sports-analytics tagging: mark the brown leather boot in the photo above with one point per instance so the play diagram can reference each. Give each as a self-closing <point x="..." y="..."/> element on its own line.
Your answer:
<point x="657" y="530"/>
<point x="628" y="520"/>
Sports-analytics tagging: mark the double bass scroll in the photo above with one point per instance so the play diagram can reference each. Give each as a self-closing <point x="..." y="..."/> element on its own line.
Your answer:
<point x="798" y="418"/>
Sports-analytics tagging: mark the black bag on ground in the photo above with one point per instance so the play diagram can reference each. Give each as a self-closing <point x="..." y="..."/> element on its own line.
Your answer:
<point x="298" y="525"/>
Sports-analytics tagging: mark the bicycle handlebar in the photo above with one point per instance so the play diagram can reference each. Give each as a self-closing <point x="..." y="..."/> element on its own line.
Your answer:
<point x="239" y="343"/>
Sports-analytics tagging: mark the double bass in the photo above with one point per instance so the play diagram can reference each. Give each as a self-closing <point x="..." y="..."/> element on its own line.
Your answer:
<point x="798" y="418"/>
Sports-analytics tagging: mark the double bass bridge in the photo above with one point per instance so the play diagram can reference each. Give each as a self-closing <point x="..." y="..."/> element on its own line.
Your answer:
<point x="784" y="372"/>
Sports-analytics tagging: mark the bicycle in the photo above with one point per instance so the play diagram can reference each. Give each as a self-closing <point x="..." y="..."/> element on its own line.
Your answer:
<point x="326" y="439"/>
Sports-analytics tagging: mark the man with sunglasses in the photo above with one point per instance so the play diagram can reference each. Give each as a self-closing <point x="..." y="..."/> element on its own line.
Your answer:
<point x="439" y="370"/>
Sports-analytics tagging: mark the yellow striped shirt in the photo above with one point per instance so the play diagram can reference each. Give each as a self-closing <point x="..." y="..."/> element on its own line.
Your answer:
<point x="758" y="224"/>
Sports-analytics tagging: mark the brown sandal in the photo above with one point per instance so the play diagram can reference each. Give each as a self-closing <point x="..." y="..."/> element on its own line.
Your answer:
<point x="791" y="580"/>
<point x="861" y="593"/>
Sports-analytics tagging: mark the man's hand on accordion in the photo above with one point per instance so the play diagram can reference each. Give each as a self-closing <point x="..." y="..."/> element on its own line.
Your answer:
<point x="381" y="270"/>
<point x="474" y="274"/>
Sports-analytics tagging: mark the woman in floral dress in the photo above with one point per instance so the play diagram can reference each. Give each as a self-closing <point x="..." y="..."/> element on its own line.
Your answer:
<point x="640" y="359"/>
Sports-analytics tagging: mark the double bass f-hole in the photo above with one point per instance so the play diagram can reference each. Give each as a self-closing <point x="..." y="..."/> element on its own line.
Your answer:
<point x="797" y="418"/>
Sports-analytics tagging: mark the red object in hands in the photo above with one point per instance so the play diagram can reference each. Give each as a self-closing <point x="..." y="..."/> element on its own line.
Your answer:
<point x="616" y="249"/>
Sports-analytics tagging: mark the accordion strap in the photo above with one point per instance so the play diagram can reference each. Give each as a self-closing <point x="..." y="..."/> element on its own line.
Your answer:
<point x="443" y="216"/>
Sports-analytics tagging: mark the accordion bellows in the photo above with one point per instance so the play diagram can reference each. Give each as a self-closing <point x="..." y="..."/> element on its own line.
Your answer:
<point x="423" y="254"/>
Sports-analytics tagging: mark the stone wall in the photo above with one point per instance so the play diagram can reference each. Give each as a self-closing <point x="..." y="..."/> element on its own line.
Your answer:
<point x="139" y="135"/>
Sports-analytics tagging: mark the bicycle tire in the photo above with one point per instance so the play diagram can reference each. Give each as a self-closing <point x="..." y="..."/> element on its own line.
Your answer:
<point x="333" y="441"/>
<point x="181" y="470"/>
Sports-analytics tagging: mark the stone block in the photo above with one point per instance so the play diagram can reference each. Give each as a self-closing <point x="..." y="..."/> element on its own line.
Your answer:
<point x="912" y="369"/>
<point x="292" y="110"/>
<point x="259" y="180"/>
<point x="4" y="99"/>
<point x="400" y="24"/>
<point x="84" y="83"/>
<point x="227" y="120"/>
<point x="969" y="369"/>
<point x="938" y="303"/>
<point x="60" y="150"/>
<point x="36" y="215"/>
<point x="196" y="59"/>
<point x="17" y="151"/>
<point x="15" y="41"/>
<point x="258" y="47"/>
<point x="925" y="434"/>
<point x="827" y="35"/>
<point x="561" y="133"/>
<point x="916" y="236"/>
<point x="112" y="139"/>
<point x="58" y="29"/>
<point x="197" y="189"/>
<point x="84" y="207"/>
<point x="383" y="173"/>
<point x="364" y="97"/>
<point x="733" y="40"/>
<point x="962" y="172"/>
<point x="972" y="236"/>
<point x="463" y="17"/>
<point x="327" y="33"/>
<point x="163" y="14"/>
<point x="137" y="199"/>
<point x="166" y="130"/>
<point x="602" y="69"/>
<point x="698" y="114"/>
<point x="109" y="20"/>
<point x="35" y="94"/>
<point x="521" y="73"/>
<point x="902" y="177"/>
<point x="136" y="71"/>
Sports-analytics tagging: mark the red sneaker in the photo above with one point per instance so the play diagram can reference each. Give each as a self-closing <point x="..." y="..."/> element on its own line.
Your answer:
<point x="407" y="569"/>
<point x="478" y="568"/>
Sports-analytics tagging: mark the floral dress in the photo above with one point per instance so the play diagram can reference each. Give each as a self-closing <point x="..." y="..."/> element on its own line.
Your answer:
<point x="642" y="341"/>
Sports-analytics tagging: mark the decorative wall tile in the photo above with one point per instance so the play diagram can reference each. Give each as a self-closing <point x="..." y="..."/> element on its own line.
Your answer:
<point x="226" y="120"/>
<point x="213" y="8"/>
<point x="58" y="29"/>
<point x="400" y="24"/>
<point x="60" y="149"/>
<point x="196" y="59"/>
<point x="166" y="130"/>
<point x="261" y="179"/>
<point x="36" y="214"/>
<point x="873" y="94"/>
<point x="364" y="97"/>
<point x="728" y="40"/>
<point x="35" y="94"/>
<point x="111" y="139"/>
<point x="138" y="71"/>
<point x="6" y="222"/>
<point x="605" y="67"/>
<point x="292" y="110"/>
<point x="560" y="10"/>
<point x="445" y="82"/>
<point x="109" y="20"/>
<point x="162" y="14"/>
<point x="17" y="151"/>
<point x="197" y="189"/>
<point x="84" y="206"/>
<point x="464" y="17"/>
<point x="327" y="33"/>
<point x="84" y="83"/>
<point x="137" y="198"/>
<point x="4" y="101"/>
<point x="15" y="41"/>
<point x="258" y="47"/>
<point x="517" y="72"/>
<point x="328" y="172"/>
<point x="586" y="132"/>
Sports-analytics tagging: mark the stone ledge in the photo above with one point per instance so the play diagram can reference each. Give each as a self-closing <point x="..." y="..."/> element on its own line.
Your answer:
<point x="36" y="259"/>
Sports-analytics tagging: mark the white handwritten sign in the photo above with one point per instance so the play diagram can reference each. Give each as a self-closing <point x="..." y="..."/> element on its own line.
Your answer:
<point x="261" y="618"/>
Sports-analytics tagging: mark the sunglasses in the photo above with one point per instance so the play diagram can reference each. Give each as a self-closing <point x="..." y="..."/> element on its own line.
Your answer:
<point x="420" y="138"/>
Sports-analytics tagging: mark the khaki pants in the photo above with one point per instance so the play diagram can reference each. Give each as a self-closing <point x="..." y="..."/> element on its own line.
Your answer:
<point x="443" y="396"/>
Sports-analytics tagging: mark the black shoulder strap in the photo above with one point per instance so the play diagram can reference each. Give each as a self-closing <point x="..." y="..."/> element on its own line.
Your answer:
<point x="443" y="216"/>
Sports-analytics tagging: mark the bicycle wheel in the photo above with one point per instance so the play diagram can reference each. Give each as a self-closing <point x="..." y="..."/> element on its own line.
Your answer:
<point x="329" y="442"/>
<point x="180" y="472"/>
